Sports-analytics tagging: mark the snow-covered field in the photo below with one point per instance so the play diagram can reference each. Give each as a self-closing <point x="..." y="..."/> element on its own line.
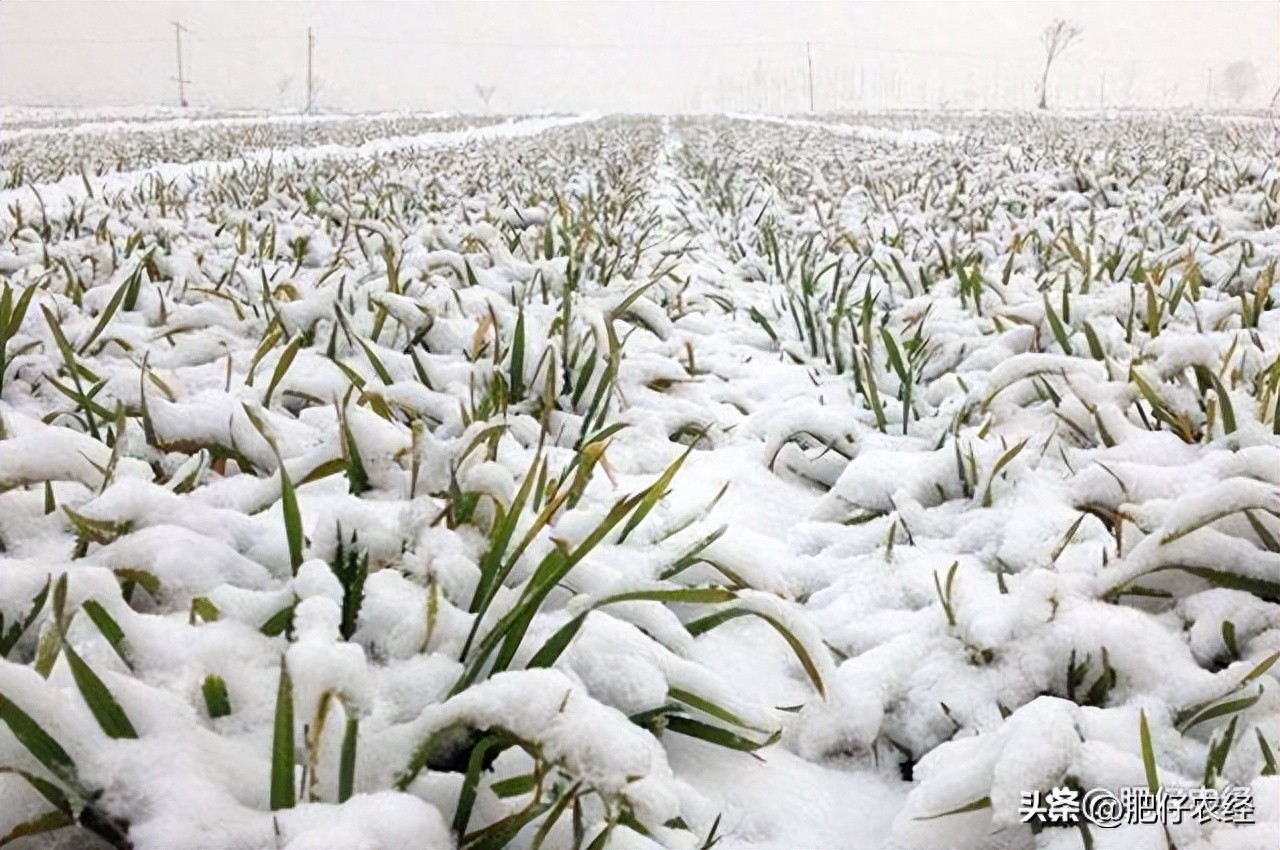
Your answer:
<point x="429" y="481"/>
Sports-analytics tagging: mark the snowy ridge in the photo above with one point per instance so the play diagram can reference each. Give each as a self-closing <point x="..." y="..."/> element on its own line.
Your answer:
<point x="921" y="137"/>
<point x="71" y="190"/>
<point x="187" y="124"/>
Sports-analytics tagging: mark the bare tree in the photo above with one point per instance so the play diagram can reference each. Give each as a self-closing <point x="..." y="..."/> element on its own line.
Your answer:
<point x="485" y="93"/>
<point x="1239" y="79"/>
<point x="1056" y="38"/>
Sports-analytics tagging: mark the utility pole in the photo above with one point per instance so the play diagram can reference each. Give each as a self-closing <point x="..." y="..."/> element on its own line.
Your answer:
<point x="311" y="49"/>
<point x="808" y="54"/>
<point x="182" y="81"/>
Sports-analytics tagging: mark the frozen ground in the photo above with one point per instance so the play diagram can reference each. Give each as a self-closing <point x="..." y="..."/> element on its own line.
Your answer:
<point x="426" y="481"/>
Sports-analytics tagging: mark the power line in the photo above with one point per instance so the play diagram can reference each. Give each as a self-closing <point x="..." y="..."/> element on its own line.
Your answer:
<point x="672" y="45"/>
<point x="56" y="41"/>
<point x="543" y="45"/>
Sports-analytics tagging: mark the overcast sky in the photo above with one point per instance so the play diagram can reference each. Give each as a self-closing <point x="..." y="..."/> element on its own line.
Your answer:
<point x="637" y="56"/>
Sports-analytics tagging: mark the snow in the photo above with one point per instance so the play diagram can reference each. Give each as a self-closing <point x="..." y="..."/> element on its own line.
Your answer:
<point x="926" y="619"/>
